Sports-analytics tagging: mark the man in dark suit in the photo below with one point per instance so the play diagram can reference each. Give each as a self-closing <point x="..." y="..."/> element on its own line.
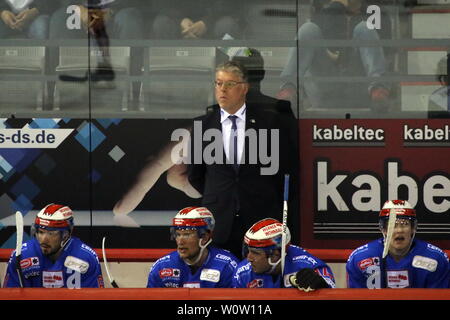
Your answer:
<point x="240" y="190"/>
<point x="236" y="198"/>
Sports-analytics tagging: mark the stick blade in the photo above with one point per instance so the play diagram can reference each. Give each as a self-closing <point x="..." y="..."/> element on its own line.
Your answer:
<point x="69" y="78"/>
<point x="105" y="262"/>
<point x="19" y="233"/>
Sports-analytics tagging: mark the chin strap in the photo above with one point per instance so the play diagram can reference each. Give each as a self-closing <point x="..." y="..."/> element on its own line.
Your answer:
<point x="200" y="254"/>
<point x="273" y="264"/>
<point x="64" y="242"/>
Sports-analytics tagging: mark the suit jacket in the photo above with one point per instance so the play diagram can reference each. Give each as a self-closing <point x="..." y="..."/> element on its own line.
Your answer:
<point x="246" y="192"/>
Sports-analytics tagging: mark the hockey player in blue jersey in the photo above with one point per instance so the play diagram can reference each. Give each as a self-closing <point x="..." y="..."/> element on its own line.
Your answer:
<point x="261" y="267"/>
<point x="53" y="258"/>
<point x="410" y="263"/>
<point x="194" y="264"/>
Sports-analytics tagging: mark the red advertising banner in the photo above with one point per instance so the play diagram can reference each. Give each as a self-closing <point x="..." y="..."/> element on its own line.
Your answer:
<point x="349" y="168"/>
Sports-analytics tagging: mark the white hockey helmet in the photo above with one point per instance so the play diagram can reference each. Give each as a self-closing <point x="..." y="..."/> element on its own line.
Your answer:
<point x="265" y="234"/>
<point x="193" y="218"/>
<point x="54" y="217"/>
<point x="403" y="210"/>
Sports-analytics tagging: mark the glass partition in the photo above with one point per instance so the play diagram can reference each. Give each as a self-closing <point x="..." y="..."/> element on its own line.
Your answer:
<point x="122" y="75"/>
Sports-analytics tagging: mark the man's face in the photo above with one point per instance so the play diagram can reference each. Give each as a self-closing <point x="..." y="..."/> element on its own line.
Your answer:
<point x="230" y="90"/>
<point x="402" y="237"/>
<point x="187" y="244"/>
<point x="49" y="241"/>
<point x="259" y="260"/>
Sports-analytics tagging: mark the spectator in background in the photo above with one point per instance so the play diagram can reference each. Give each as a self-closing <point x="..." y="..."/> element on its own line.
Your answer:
<point x="101" y="19"/>
<point x="28" y="18"/>
<point x="196" y="19"/>
<point x="439" y="99"/>
<point x="337" y="20"/>
<point x="120" y="19"/>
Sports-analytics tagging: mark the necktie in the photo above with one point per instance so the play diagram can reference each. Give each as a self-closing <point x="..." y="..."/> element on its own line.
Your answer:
<point x="233" y="143"/>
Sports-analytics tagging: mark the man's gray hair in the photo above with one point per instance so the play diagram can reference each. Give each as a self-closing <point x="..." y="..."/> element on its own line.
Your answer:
<point x="234" y="67"/>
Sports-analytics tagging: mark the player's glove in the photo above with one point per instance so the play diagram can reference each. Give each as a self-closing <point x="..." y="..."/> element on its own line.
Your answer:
<point x="307" y="280"/>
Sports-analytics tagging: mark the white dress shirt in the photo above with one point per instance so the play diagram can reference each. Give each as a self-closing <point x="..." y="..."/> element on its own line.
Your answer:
<point x="226" y="131"/>
<point x="18" y="6"/>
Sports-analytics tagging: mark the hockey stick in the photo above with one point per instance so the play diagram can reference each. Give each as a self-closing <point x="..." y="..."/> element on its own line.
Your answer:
<point x="387" y="244"/>
<point x="111" y="279"/>
<point x="68" y="78"/>
<point x="280" y="13"/>
<point x="19" y="240"/>
<point x="285" y="213"/>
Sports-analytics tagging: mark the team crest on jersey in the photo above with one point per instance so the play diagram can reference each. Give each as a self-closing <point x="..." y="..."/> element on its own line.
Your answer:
<point x="29" y="262"/>
<point x="398" y="279"/>
<point x="373" y="261"/>
<point x="256" y="283"/>
<point x="169" y="273"/>
<point x="52" y="279"/>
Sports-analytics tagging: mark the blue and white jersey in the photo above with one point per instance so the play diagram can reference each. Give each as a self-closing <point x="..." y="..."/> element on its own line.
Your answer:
<point x="296" y="259"/>
<point x="425" y="266"/>
<point x="76" y="267"/>
<point x="171" y="271"/>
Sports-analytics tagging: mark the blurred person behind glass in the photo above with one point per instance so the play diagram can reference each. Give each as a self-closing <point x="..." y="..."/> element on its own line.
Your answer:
<point x="29" y="18"/>
<point x="101" y="19"/>
<point x="337" y="20"/>
<point x="438" y="100"/>
<point x="196" y="19"/>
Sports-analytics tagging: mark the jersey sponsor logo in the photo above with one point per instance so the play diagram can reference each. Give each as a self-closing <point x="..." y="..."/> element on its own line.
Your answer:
<point x="76" y="264"/>
<point x="358" y="250"/>
<point x="88" y="249"/>
<point x="306" y="258"/>
<point x="434" y="248"/>
<point x="52" y="279"/>
<point x="226" y="258"/>
<point x="169" y="273"/>
<point x="364" y="264"/>
<point x="256" y="283"/>
<point x="29" y="262"/>
<point x="191" y="285"/>
<point x="211" y="275"/>
<point x="223" y="257"/>
<point x="31" y="274"/>
<point x="398" y="278"/>
<point x="425" y="263"/>
<point x="244" y="268"/>
<point x="171" y="284"/>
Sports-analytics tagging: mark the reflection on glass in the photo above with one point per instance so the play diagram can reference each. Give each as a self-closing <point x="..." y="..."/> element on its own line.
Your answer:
<point x="139" y="59"/>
